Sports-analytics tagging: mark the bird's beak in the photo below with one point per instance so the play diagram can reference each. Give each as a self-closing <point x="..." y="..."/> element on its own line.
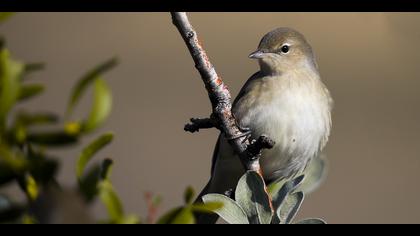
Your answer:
<point x="257" y="55"/>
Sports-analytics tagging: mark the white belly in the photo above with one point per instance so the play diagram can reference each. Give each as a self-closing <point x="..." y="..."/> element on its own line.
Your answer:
<point x="297" y="119"/>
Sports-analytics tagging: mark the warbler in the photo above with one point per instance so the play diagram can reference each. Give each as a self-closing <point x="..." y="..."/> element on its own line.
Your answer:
<point x="286" y="101"/>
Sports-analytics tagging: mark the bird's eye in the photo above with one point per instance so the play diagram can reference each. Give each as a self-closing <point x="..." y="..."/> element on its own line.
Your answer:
<point x="285" y="49"/>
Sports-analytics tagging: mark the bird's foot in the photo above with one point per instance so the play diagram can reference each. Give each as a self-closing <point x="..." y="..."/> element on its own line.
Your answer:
<point x="246" y="134"/>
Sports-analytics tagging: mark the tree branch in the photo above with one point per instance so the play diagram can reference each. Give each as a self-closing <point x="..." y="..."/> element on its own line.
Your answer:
<point x="197" y="124"/>
<point x="222" y="117"/>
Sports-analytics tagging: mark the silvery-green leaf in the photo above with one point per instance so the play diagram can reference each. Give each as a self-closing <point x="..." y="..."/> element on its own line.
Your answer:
<point x="315" y="174"/>
<point x="210" y="207"/>
<point x="231" y="212"/>
<point x="314" y="221"/>
<point x="253" y="199"/>
<point x="290" y="206"/>
<point x="288" y="187"/>
<point x="275" y="187"/>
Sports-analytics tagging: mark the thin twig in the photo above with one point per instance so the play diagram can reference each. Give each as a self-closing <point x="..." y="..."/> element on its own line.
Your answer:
<point x="197" y="124"/>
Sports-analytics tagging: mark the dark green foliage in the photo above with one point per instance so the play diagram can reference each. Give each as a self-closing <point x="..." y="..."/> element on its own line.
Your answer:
<point x="24" y="151"/>
<point x="26" y="139"/>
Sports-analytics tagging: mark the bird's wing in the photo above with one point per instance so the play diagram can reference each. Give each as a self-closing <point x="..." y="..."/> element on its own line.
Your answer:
<point x="244" y="88"/>
<point x="241" y="93"/>
<point x="215" y="154"/>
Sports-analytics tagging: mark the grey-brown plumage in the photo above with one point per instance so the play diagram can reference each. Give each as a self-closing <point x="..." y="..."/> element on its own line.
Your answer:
<point x="287" y="101"/>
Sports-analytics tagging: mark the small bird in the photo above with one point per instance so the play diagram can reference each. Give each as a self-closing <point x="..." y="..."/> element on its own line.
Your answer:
<point x="286" y="101"/>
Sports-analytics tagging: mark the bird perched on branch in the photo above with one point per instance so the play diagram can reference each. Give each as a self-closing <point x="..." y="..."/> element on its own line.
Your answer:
<point x="286" y="101"/>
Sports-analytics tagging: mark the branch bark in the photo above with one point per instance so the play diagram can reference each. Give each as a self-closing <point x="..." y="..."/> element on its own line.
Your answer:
<point x="222" y="118"/>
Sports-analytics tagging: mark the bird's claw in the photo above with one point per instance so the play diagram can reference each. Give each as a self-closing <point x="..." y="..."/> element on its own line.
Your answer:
<point x="246" y="134"/>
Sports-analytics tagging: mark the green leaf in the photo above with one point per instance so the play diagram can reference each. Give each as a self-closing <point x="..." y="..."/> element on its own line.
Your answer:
<point x="106" y="169"/>
<point x="251" y="196"/>
<point x="5" y="15"/>
<point x="185" y="216"/>
<point x="210" y="207"/>
<point x="73" y="128"/>
<point x="179" y="215"/>
<point x="18" y="133"/>
<point x="29" y="186"/>
<point x="32" y="67"/>
<point x="10" y="72"/>
<point x="87" y="80"/>
<point x="40" y="118"/>
<point x="6" y="173"/>
<point x="89" y="151"/>
<point x="17" y="163"/>
<point x="314" y="221"/>
<point x="289" y="208"/>
<point x="28" y="220"/>
<point x="43" y="169"/>
<point x="30" y="91"/>
<point x="231" y="212"/>
<point x="170" y="216"/>
<point x="52" y="138"/>
<point x="88" y="184"/>
<point x="2" y="43"/>
<point x="111" y="201"/>
<point x="189" y="195"/>
<point x="130" y="219"/>
<point x="315" y="174"/>
<point x="286" y="188"/>
<point x="101" y="108"/>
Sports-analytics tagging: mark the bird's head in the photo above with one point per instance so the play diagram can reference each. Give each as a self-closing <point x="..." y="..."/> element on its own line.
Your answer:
<point x="283" y="49"/>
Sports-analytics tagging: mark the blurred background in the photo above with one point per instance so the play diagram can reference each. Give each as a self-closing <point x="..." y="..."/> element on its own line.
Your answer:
<point x="369" y="61"/>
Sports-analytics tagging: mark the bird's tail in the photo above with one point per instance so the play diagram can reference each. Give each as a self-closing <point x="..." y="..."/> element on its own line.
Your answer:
<point x="205" y="218"/>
